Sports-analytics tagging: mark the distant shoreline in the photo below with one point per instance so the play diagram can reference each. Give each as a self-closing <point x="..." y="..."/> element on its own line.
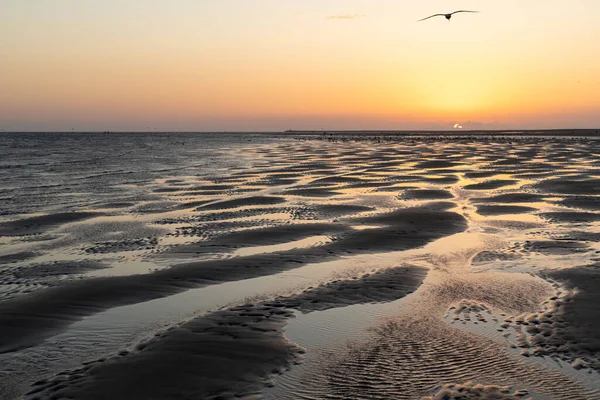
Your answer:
<point x="453" y="132"/>
<point x="459" y="132"/>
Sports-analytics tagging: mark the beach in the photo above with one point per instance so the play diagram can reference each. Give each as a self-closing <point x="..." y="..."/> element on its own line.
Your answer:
<point x="305" y="265"/>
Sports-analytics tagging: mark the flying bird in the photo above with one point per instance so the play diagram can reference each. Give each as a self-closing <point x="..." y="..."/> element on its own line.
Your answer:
<point x="448" y="16"/>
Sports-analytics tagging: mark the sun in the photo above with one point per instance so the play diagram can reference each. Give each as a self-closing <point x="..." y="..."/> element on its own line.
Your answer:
<point x="458" y="126"/>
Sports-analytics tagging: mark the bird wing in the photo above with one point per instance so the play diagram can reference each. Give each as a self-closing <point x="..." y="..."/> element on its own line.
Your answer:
<point x="431" y="16"/>
<point x="459" y="11"/>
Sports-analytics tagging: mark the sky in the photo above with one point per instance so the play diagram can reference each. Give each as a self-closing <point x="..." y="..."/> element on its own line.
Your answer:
<point x="263" y="65"/>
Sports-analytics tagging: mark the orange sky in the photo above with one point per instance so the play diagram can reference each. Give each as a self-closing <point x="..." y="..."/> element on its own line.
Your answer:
<point x="287" y="64"/>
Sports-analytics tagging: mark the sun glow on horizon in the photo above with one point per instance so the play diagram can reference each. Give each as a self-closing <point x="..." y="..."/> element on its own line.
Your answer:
<point x="236" y="65"/>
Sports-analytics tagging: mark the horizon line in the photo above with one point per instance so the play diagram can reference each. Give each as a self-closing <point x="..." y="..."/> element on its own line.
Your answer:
<point x="306" y="131"/>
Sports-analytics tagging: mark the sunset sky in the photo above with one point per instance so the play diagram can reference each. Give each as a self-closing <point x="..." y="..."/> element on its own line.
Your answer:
<point x="204" y="65"/>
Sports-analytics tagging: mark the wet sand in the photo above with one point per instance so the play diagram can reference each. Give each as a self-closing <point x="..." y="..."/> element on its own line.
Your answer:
<point x="227" y="354"/>
<point x="477" y="256"/>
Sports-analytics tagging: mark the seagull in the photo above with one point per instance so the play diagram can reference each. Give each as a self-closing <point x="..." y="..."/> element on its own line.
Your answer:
<point x="448" y="16"/>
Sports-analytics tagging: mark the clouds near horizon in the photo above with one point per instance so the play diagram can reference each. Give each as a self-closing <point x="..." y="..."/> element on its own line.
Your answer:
<point x="345" y="16"/>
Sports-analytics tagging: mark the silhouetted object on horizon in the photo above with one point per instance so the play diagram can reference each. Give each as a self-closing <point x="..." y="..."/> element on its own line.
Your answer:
<point x="448" y="16"/>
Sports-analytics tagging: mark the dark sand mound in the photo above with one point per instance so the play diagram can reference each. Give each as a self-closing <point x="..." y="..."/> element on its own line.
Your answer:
<point x="481" y="174"/>
<point x="516" y="225"/>
<point x="567" y="216"/>
<point x="321" y="167"/>
<point x="503" y="209"/>
<point x="535" y="176"/>
<point x="273" y="181"/>
<point x="117" y="204"/>
<point x="285" y="175"/>
<point x="436" y="164"/>
<point x="580" y="236"/>
<point x="221" y="216"/>
<point x="168" y="190"/>
<point x="367" y="184"/>
<point x="555" y="247"/>
<point x="57" y="268"/>
<point x="488" y="256"/>
<point x="34" y="225"/>
<point x="423" y="194"/>
<point x="510" y="198"/>
<point x="397" y="178"/>
<point x="213" y="194"/>
<point x="336" y="180"/>
<point x="508" y="161"/>
<point x="116" y="246"/>
<point x="16" y="257"/>
<point x="527" y="154"/>
<point x="246" y="201"/>
<point x="570" y="185"/>
<point x="490" y="185"/>
<point x="446" y="180"/>
<point x="338" y="210"/>
<point x="29" y="320"/>
<point x="471" y="390"/>
<point x="125" y="234"/>
<point x="385" y="165"/>
<point x="191" y="204"/>
<point x="579" y="334"/>
<point x="21" y="280"/>
<point x="211" y="188"/>
<point x="155" y="207"/>
<point x="226" y="354"/>
<point x="259" y="237"/>
<point x="584" y="202"/>
<point x="209" y="230"/>
<point x="312" y="192"/>
<point x="405" y="228"/>
<point x="433" y="207"/>
<point x="247" y="189"/>
<point x="539" y="168"/>
<point x="382" y="286"/>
